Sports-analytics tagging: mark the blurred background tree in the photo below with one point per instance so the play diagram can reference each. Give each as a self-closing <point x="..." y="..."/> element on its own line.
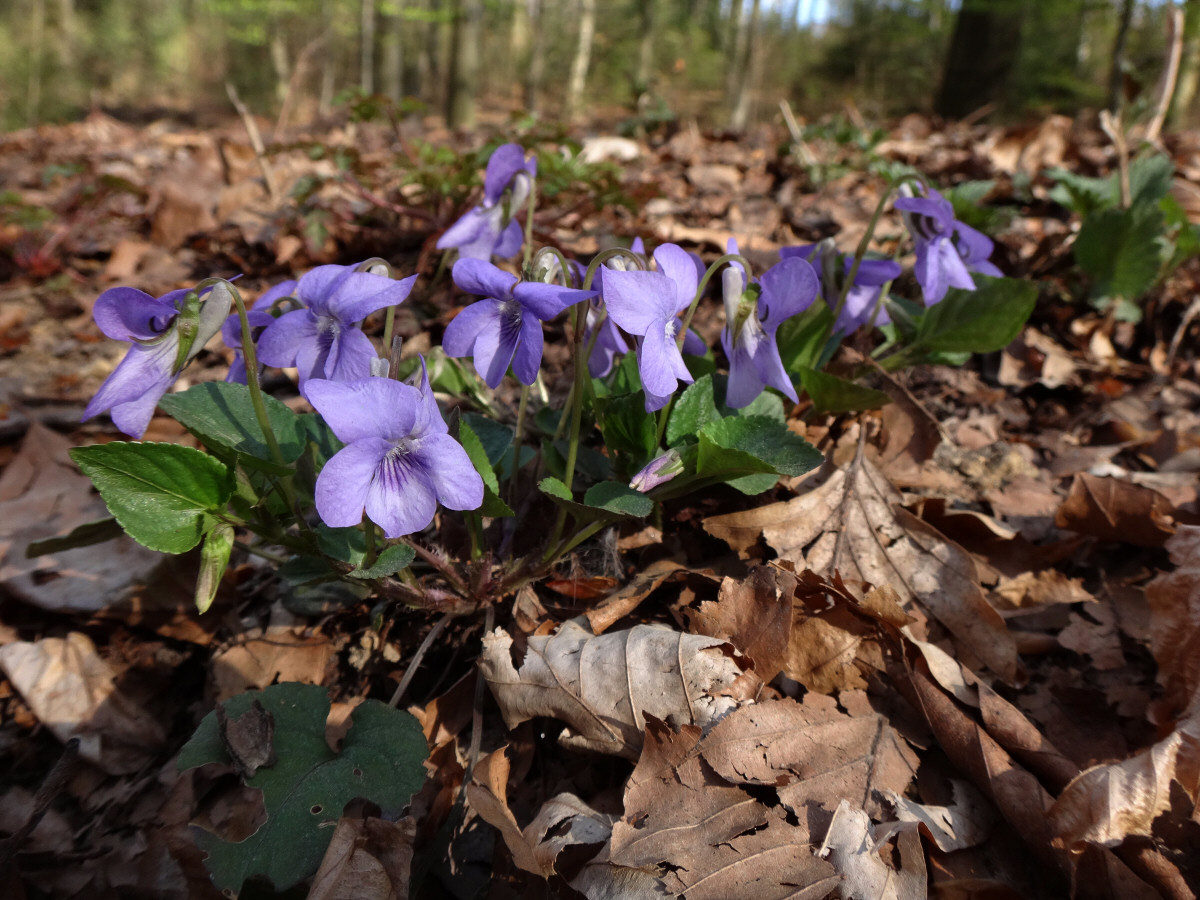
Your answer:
<point x="724" y="62"/>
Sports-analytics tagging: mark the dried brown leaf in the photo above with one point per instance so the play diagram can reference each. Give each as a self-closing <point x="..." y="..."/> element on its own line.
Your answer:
<point x="603" y="686"/>
<point x="853" y="524"/>
<point x="622" y="602"/>
<point x="1116" y="510"/>
<point x="851" y="847"/>
<point x="74" y="693"/>
<point x="967" y="822"/>
<point x="367" y="859"/>
<point x="755" y="615"/>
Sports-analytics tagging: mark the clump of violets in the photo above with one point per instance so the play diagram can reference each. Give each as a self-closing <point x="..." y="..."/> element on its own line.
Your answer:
<point x="166" y="333"/>
<point x="862" y="297"/>
<point x="399" y="462"/>
<point x="753" y="313"/>
<point x="947" y="250"/>
<point x="324" y="339"/>
<point x="491" y="228"/>
<point x="506" y="326"/>
<point x="647" y="305"/>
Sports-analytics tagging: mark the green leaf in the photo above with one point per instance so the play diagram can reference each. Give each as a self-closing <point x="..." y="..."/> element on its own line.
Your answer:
<point x="627" y="428"/>
<point x="214" y="557"/>
<point x="832" y="394"/>
<point x="84" y="535"/>
<point x="495" y="438"/>
<point x="308" y="785"/>
<point x="753" y="445"/>
<point x="222" y="415"/>
<point x="803" y="340"/>
<point x="163" y="495"/>
<point x="389" y="562"/>
<point x="492" y="504"/>
<point x="347" y="544"/>
<point x="980" y="321"/>
<point x="694" y="409"/>
<point x="608" y="501"/>
<point x="1120" y="250"/>
<point x="1150" y="179"/>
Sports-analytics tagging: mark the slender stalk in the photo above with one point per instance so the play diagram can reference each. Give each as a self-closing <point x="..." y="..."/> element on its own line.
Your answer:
<point x="415" y="663"/>
<point x="708" y="273"/>
<point x="251" y="359"/>
<point x="517" y="432"/>
<point x="368" y="530"/>
<point x="530" y="206"/>
<point x="581" y="375"/>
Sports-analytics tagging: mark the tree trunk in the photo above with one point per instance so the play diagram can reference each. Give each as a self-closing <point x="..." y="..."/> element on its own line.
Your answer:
<point x="583" y="59"/>
<point x="1116" y="75"/>
<point x="983" y="51"/>
<point x="393" y="53"/>
<point x="537" y="55"/>
<point x="464" y="63"/>
<point x="749" y="68"/>
<point x="1189" y="67"/>
<point x="734" y="41"/>
<point x="366" y="47"/>
<point x="37" y="47"/>
<point x="645" y="61"/>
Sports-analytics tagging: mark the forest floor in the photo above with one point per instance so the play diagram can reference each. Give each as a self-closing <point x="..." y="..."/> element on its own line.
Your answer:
<point x="991" y="587"/>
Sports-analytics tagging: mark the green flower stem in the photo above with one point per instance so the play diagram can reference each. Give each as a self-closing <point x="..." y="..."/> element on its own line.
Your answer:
<point x="864" y="243"/>
<point x="521" y="408"/>
<point x="663" y="415"/>
<point x="579" y="537"/>
<point x="581" y="375"/>
<point x="530" y="206"/>
<point x="708" y="273"/>
<point x="564" y="268"/>
<point x="368" y="530"/>
<point x="604" y="256"/>
<point x="475" y="532"/>
<point x="389" y="324"/>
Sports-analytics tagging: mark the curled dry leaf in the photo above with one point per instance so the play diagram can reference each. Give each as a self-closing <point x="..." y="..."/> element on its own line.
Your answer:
<point x="603" y="686"/>
<point x="755" y="615"/>
<point x="1116" y="510"/>
<point x="853" y="524"/>
<point x="851" y="846"/>
<point x="73" y="692"/>
<point x="367" y="859"/>
<point x="965" y="823"/>
<point x="1107" y="803"/>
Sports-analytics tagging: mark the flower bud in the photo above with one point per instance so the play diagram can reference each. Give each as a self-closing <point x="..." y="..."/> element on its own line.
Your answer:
<point x="658" y="471"/>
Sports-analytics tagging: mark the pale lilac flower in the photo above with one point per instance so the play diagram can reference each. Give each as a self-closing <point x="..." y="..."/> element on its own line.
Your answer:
<point x="259" y="317"/>
<point x="658" y="471"/>
<point x="947" y="250"/>
<point x="325" y="339"/>
<point x="491" y="228"/>
<point x="833" y="268"/>
<point x="506" y="326"/>
<point x="166" y="333"/>
<point x="648" y="304"/>
<point x="753" y="313"/>
<point x="398" y="462"/>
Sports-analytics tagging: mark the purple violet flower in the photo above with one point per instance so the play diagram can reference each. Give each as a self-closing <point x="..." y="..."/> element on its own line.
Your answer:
<point x="647" y="305"/>
<point x="753" y="313"/>
<point x="833" y="268"/>
<point x="946" y="248"/>
<point x="658" y="471"/>
<point x="506" y="326"/>
<point x="166" y="333"/>
<point x="491" y="228"/>
<point x="398" y="462"/>
<point x="325" y="340"/>
<point x="259" y="317"/>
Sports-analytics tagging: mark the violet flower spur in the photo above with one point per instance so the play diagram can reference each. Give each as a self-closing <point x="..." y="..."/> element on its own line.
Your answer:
<point x="491" y="228"/>
<point x="947" y="250"/>
<point x="325" y="340"/>
<point x="753" y="313"/>
<point x="647" y="304"/>
<point x="398" y="462"/>
<point x="506" y="326"/>
<point x="259" y="317"/>
<point x="166" y="333"/>
<point x="861" y="299"/>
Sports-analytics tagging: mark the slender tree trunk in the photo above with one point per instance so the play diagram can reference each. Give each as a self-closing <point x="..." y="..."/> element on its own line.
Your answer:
<point x="518" y="45"/>
<point x="464" y="64"/>
<point x="1189" y="67"/>
<point x="983" y="51"/>
<point x="328" y="61"/>
<point x="583" y="59"/>
<point x="734" y="42"/>
<point x="536" y="67"/>
<point x="750" y="67"/>
<point x="366" y="47"/>
<point x="645" y="62"/>
<point x="393" y="53"/>
<point x="37" y="48"/>
<point x="279" y="62"/>
<point x="1116" y="75"/>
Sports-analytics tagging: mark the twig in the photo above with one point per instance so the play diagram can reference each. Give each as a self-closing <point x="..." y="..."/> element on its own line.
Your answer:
<point x="1193" y="310"/>
<point x="415" y="664"/>
<point x="293" y="84"/>
<point x="489" y="621"/>
<point x="1113" y="127"/>
<point x="799" y="147"/>
<point x="256" y="140"/>
<point x="1166" y="84"/>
